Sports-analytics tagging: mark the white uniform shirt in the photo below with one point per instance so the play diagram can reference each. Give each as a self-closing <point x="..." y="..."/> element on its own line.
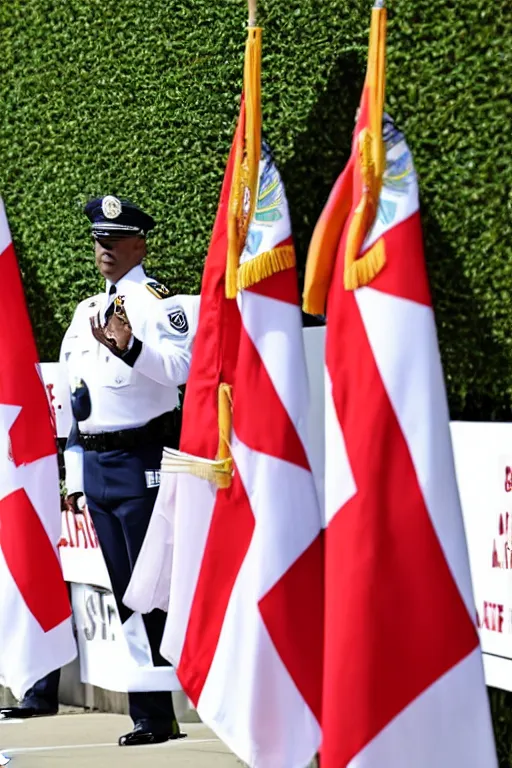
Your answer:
<point x="125" y="396"/>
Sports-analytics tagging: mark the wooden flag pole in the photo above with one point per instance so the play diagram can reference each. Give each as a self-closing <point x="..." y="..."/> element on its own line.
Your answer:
<point x="252" y="12"/>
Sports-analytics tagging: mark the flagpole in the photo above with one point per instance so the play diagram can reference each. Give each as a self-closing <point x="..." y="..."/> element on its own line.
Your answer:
<point x="252" y="12"/>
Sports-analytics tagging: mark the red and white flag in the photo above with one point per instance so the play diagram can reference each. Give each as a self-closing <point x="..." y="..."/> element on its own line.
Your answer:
<point x="403" y="681"/>
<point x="36" y="635"/>
<point x="245" y="616"/>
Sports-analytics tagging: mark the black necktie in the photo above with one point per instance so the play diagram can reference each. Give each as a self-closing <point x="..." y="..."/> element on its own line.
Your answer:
<point x="110" y="308"/>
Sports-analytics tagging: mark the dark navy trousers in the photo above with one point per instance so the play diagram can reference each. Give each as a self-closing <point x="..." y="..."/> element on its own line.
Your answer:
<point x="121" y="503"/>
<point x="45" y="693"/>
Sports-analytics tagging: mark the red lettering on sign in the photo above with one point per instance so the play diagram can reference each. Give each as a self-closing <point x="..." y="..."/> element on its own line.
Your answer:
<point x="51" y="398"/>
<point x="80" y="531"/>
<point x="492" y="617"/>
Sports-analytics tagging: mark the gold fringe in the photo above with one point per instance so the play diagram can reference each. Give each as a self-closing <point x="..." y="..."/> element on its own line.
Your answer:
<point x="265" y="265"/>
<point x="244" y="186"/>
<point x="362" y="271"/>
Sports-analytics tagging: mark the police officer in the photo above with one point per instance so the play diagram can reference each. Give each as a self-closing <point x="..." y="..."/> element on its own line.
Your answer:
<point x="126" y="352"/>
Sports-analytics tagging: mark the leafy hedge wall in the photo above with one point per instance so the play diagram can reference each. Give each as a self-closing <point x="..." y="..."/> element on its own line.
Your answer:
<point x="139" y="98"/>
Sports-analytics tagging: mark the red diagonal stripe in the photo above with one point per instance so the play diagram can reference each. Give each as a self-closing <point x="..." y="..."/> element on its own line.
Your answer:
<point x="260" y="420"/>
<point x="228" y="540"/>
<point x="31" y="435"/>
<point x="14" y="306"/>
<point x="395" y="621"/>
<point x="32" y="561"/>
<point x="405" y="273"/>
<point x="297" y="602"/>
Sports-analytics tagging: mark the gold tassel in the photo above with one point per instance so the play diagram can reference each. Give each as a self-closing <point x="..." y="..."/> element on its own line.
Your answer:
<point x="372" y="159"/>
<point x="252" y="84"/>
<point x="234" y="217"/>
<point x="218" y="471"/>
<point x="376" y="83"/>
<point x="362" y="271"/>
<point x="314" y="302"/>
<point x="380" y="89"/>
<point x="365" y="211"/>
<point x="245" y="175"/>
<point x="265" y="265"/>
<point x="225" y="420"/>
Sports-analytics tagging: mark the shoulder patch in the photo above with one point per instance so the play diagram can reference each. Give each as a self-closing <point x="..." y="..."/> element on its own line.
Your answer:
<point x="178" y="321"/>
<point x="157" y="289"/>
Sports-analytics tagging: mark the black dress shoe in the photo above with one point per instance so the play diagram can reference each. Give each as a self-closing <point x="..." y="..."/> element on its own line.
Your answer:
<point x="23" y="713"/>
<point x="141" y="735"/>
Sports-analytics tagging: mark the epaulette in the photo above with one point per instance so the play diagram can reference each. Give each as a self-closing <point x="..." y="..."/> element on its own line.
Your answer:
<point x="158" y="289"/>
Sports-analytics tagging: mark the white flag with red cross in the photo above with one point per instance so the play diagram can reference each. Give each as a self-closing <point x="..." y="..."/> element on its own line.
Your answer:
<point x="245" y="622"/>
<point x="36" y="635"/>
<point x="403" y="681"/>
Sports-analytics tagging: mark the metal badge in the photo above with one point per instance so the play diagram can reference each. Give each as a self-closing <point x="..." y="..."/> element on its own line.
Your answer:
<point x="111" y="207"/>
<point x="119" y="309"/>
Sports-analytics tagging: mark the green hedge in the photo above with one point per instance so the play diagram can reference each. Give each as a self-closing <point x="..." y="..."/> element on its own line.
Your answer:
<point x="139" y="98"/>
<point x="501" y="707"/>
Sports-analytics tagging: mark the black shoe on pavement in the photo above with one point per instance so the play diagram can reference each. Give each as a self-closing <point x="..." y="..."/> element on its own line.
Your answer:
<point x="23" y="713"/>
<point x="142" y="734"/>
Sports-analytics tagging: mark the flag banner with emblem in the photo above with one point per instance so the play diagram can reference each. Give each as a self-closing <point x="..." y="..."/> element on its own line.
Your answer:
<point x="245" y="615"/>
<point x="403" y="681"/>
<point x="36" y="635"/>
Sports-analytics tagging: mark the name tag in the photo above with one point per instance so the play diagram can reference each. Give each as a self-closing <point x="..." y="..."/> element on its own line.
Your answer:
<point x="152" y="478"/>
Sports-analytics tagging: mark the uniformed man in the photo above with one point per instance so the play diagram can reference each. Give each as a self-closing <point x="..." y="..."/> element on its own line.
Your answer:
<point x="126" y="352"/>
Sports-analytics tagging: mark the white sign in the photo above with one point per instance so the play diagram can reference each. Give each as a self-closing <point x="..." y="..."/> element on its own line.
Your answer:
<point x="112" y="655"/>
<point x="115" y="656"/>
<point x="80" y="553"/>
<point x="483" y="458"/>
<point x="57" y="390"/>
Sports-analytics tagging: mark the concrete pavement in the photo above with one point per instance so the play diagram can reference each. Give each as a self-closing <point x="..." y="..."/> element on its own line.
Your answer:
<point x="90" y="741"/>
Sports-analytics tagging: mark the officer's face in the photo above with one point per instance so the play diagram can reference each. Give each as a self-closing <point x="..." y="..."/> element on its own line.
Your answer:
<point x="115" y="257"/>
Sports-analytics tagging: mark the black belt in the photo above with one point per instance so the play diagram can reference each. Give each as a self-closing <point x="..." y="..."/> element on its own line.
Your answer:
<point x="164" y="429"/>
